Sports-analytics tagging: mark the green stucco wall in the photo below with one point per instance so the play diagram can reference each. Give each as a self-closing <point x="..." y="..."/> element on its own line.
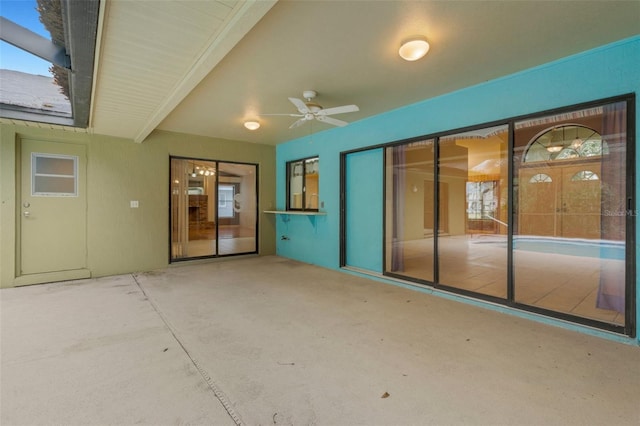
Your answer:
<point x="121" y="239"/>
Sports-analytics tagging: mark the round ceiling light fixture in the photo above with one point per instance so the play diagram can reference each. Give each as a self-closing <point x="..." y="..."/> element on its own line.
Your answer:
<point x="252" y="125"/>
<point x="413" y="48"/>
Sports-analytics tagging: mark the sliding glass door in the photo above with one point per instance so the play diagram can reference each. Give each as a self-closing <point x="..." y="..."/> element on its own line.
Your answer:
<point x="213" y="208"/>
<point x="472" y="250"/>
<point x="569" y="238"/>
<point x="535" y="213"/>
<point x="410" y="227"/>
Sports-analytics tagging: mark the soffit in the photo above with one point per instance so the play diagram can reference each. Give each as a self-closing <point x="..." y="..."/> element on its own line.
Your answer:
<point x="152" y="54"/>
<point x="347" y="52"/>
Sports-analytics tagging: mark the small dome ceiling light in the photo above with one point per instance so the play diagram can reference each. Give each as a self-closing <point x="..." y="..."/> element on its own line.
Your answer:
<point x="252" y="125"/>
<point x="413" y="48"/>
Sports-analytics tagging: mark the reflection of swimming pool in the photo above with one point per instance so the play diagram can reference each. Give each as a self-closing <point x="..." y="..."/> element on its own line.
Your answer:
<point x="571" y="246"/>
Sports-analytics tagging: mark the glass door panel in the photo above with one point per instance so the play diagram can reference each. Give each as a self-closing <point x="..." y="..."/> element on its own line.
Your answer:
<point x="473" y="200"/>
<point x="237" y="208"/>
<point x="409" y="210"/>
<point x="193" y="215"/>
<point x="569" y="210"/>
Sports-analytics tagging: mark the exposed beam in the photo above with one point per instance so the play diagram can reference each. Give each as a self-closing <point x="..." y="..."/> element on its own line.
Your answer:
<point x="246" y="15"/>
<point x="25" y="39"/>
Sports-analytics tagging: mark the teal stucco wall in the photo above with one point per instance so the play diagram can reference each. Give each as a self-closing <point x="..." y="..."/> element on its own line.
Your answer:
<point x="604" y="72"/>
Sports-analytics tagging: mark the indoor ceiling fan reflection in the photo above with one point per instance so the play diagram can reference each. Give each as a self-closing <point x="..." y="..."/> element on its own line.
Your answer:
<point x="308" y="110"/>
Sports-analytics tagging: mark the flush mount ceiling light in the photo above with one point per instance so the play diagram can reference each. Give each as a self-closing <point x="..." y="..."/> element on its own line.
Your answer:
<point x="252" y="125"/>
<point x="413" y="48"/>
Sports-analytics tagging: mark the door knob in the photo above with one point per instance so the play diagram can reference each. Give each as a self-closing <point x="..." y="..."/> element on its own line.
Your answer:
<point x="26" y="214"/>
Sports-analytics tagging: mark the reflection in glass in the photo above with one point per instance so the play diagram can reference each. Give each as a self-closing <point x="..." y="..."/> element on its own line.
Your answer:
<point x="303" y="189"/>
<point x="311" y="184"/>
<point x="410" y="210"/>
<point x="296" y="184"/>
<point x="569" y="238"/>
<point x="237" y="208"/>
<point x="197" y="219"/>
<point x="472" y="249"/>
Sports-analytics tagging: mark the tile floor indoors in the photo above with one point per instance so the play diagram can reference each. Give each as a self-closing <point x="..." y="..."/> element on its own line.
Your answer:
<point x="267" y="340"/>
<point x="561" y="283"/>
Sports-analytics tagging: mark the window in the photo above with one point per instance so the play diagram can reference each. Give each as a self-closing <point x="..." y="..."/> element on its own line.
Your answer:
<point x="225" y="200"/>
<point x="54" y="175"/>
<point x="302" y="189"/>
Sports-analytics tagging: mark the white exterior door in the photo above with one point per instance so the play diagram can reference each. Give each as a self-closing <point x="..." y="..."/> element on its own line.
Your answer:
<point x="53" y="212"/>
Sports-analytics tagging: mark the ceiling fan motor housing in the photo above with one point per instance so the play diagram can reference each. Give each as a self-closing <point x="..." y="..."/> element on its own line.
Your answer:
<point x="313" y="107"/>
<point x="309" y="94"/>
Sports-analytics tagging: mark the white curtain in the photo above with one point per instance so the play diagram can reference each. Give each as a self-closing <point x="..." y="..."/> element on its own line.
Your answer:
<point x="179" y="208"/>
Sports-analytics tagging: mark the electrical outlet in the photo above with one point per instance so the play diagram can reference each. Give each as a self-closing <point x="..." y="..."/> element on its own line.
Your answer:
<point x="134" y="204"/>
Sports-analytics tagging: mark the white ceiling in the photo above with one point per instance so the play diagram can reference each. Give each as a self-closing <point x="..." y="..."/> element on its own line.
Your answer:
<point x="204" y="67"/>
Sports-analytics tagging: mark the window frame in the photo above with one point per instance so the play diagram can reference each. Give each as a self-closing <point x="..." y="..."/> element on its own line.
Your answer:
<point x="289" y="176"/>
<point x="34" y="174"/>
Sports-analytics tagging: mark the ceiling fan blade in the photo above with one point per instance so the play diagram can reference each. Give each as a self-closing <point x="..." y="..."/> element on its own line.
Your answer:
<point x="299" y="103"/>
<point x="330" y="120"/>
<point x="339" y="110"/>
<point x="298" y="123"/>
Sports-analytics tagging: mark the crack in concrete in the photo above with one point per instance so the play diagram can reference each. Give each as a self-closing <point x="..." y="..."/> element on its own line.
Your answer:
<point x="207" y="378"/>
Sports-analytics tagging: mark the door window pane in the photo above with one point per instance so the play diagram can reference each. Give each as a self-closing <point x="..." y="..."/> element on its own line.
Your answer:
<point x="569" y="233"/>
<point x="473" y="196"/>
<point x="54" y="175"/>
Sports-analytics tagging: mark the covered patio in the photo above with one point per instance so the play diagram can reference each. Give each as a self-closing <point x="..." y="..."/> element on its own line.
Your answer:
<point x="268" y="340"/>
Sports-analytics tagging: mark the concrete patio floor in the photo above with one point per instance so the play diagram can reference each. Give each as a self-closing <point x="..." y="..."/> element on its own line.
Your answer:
<point x="266" y="340"/>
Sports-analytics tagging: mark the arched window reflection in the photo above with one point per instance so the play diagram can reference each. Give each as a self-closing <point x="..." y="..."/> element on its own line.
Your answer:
<point x="566" y="142"/>
<point x="540" y="178"/>
<point x="585" y="175"/>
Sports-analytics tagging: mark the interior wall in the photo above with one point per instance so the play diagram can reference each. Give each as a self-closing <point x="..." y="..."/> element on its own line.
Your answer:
<point x="121" y="239"/>
<point x="612" y="72"/>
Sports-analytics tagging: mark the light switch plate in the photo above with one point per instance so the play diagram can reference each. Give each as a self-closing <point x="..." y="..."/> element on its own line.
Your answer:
<point x="134" y="204"/>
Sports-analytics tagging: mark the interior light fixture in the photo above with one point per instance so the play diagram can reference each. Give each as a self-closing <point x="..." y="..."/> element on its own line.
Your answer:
<point x="554" y="148"/>
<point x="577" y="142"/>
<point x="557" y="143"/>
<point x="413" y="48"/>
<point x="252" y="125"/>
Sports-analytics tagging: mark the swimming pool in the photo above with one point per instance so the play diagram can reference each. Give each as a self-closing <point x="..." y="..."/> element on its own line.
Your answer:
<point x="601" y="249"/>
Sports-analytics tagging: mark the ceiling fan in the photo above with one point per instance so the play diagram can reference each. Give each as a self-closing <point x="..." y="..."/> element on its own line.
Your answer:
<point x="308" y="110"/>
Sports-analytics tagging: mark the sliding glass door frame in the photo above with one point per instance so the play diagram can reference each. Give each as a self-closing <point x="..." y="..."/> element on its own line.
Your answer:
<point x="217" y="168"/>
<point x="629" y="327"/>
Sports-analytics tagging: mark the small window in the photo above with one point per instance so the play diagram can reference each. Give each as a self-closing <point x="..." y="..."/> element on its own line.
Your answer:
<point x="54" y="175"/>
<point x="302" y="184"/>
